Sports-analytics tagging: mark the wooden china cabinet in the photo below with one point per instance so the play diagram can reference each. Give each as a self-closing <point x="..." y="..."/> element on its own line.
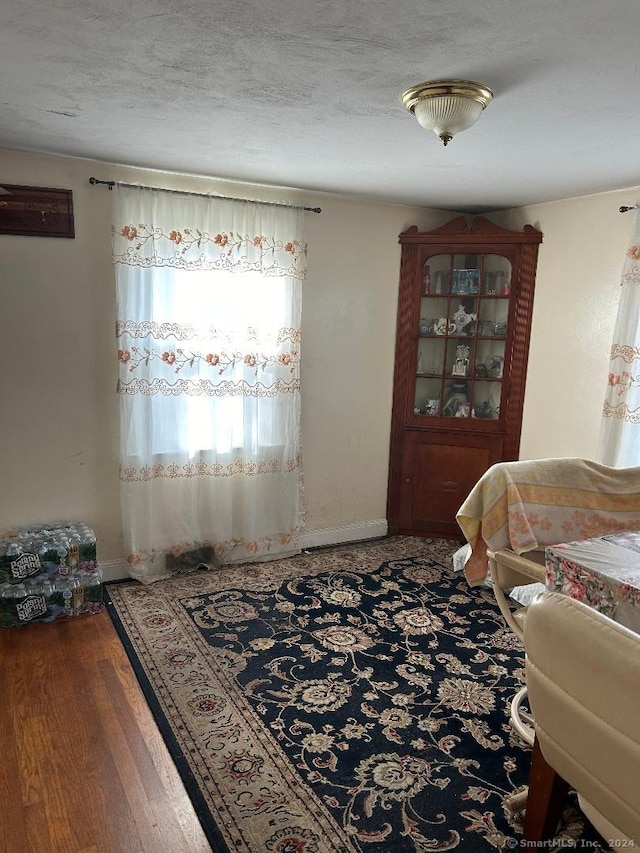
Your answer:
<point x="464" y="321"/>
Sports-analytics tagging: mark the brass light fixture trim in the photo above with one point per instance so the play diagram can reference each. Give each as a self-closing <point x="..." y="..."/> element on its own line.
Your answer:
<point x="447" y="106"/>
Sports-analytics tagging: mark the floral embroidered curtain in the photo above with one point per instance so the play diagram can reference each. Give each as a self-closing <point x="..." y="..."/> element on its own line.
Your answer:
<point x="619" y="441"/>
<point x="208" y="336"/>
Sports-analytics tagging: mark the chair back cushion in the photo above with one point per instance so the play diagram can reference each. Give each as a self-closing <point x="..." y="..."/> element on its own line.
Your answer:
<point x="583" y="680"/>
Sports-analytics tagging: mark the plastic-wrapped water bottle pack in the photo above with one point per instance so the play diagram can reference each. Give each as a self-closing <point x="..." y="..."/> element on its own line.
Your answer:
<point x="48" y="571"/>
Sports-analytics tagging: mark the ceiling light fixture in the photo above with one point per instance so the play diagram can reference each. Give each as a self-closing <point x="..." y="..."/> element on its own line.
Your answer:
<point x="447" y="107"/>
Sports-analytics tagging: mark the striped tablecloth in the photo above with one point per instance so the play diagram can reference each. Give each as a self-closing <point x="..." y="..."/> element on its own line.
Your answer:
<point x="533" y="503"/>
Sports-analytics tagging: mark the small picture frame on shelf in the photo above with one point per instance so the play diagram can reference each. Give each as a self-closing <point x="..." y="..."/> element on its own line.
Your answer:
<point x="465" y="281"/>
<point x="463" y="410"/>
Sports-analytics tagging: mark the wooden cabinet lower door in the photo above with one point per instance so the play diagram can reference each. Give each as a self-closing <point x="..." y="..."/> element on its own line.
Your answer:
<point x="438" y="472"/>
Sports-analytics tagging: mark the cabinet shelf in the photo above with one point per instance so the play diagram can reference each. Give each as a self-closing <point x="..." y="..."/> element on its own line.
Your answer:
<point x="463" y="337"/>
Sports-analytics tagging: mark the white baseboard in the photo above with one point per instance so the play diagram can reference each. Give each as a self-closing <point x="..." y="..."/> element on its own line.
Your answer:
<point x="347" y="533"/>
<point x="114" y="570"/>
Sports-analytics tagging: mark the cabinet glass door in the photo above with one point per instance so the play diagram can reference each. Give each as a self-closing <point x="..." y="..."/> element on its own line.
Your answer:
<point x="462" y="334"/>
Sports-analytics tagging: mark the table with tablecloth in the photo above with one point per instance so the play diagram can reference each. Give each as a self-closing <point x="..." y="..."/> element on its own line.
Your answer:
<point x="604" y="572"/>
<point x="528" y="504"/>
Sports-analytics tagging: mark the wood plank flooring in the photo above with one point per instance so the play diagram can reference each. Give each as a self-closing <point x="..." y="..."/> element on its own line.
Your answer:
<point x="83" y="767"/>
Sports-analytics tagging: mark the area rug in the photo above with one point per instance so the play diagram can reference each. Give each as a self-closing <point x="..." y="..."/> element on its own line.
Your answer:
<point x="347" y="699"/>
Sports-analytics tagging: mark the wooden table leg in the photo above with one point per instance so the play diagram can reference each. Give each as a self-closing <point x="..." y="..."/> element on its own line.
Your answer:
<point x="546" y="800"/>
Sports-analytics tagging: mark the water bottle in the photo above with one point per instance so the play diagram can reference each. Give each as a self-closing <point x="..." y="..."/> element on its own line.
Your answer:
<point x="13" y="554"/>
<point x="74" y="541"/>
<point x="63" y="567"/>
<point x="77" y="593"/>
<point x="93" y="588"/>
<point x="41" y="585"/>
<point x="63" y="586"/>
<point x="39" y="590"/>
<point x="19" y="596"/>
<point x="7" y="607"/>
<point x="88" y="544"/>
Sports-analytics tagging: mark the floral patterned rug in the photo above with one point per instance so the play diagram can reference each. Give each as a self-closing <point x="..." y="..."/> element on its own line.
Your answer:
<point x="348" y="699"/>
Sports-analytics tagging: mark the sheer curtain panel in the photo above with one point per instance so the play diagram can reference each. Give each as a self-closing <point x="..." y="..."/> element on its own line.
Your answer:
<point x="619" y="441"/>
<point x="208" y="340"/>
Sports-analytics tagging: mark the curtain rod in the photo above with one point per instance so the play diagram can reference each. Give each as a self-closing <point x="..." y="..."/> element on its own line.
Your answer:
<point x="112" y="184"/>
<point x="625" y="207"/>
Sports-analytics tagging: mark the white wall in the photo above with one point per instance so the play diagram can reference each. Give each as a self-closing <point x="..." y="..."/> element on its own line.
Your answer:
<point x="576" y="299"/>
<point x="59" y="434"/>
<point x="349" y="316"/>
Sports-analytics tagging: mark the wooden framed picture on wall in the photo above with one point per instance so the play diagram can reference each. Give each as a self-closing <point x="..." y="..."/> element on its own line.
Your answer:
<point x="36" y="211"/>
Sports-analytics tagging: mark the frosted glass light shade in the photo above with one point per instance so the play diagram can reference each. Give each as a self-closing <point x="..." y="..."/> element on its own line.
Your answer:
<point x="447" y="107"/>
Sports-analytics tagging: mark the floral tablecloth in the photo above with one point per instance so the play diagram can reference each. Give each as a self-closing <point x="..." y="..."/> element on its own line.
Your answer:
<point x="602" y="572"/>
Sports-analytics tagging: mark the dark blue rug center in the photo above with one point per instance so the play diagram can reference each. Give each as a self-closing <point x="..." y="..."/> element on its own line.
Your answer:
<point x="388" y="692"/>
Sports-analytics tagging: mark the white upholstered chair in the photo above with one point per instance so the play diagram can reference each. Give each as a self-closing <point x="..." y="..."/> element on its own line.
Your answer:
<point x="583" y="680"/>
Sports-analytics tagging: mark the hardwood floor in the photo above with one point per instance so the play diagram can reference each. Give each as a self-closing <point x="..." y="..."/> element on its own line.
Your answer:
<point x="83" y="767"/>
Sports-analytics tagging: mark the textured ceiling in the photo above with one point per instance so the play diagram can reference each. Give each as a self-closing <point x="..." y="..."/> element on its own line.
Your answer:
<point x="307" y="94"/>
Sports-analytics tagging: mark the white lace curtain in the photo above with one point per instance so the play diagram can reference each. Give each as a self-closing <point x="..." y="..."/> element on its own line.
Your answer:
<point x="619" y="441"/>
<point x="208" y="336"/>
